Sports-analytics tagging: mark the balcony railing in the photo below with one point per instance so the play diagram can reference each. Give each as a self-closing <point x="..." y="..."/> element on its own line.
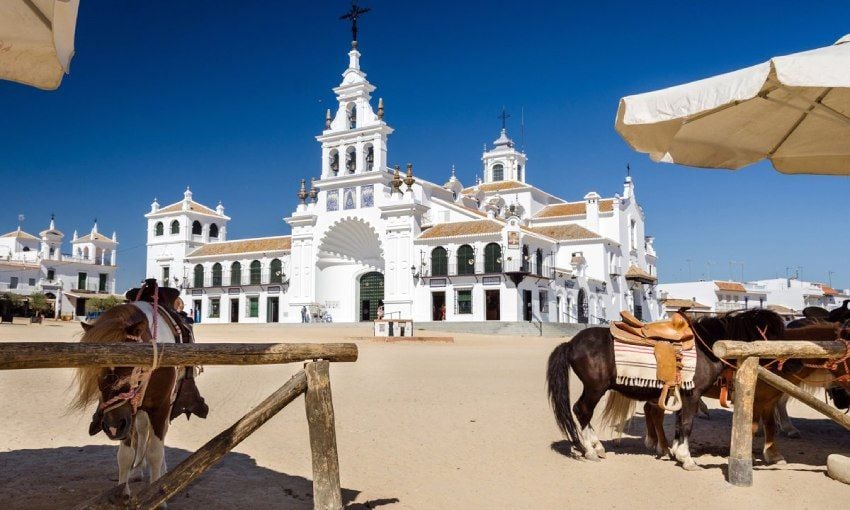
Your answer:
<point x="93" y="287"/>
<point x="243" y="278"/>
<point x="479" y="267"/>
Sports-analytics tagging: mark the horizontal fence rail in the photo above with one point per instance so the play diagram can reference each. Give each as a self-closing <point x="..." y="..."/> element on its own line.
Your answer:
<point x="26" y="355"/>
<point x="802" y="349"/>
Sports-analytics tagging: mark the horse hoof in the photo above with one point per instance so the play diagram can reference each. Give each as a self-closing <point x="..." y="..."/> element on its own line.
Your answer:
<point x="691" y="466"/>
<point x="775" y="461"/>
<point x="592" y="456"/>
<point x="601" y="453"/>
<point x="793" y="434"/>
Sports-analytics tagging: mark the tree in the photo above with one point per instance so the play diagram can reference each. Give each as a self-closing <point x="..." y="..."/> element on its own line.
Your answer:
<point x="39" y="303"/>
<point x="100" y="304"/>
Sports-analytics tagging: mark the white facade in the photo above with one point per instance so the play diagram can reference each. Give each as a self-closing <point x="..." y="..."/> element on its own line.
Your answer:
<point x="787" y="295"/>
<point x="30" y="264"/>
<point x="366" y="236"/>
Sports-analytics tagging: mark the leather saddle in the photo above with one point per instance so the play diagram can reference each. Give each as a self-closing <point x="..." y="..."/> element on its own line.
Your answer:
<point x="631" y="330"/>
<point x="668" y="339"/>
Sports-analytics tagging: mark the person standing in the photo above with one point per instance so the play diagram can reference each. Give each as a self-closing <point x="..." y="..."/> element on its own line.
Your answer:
<point x="303" y="314"/>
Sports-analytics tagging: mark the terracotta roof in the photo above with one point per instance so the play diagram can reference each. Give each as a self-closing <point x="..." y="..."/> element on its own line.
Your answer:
<point x="829" y="291"/>
<point x="730" y="286"/>
<point x="683" y="303"/>
<point x="462" y="228"/>
<point x="573" y="209"/>
<point x="496" y="186"/>
<point x="281" y="243"/>
<point x="565" y="232"/>
<point x="193" y="206"/>
<point x="637" y="273"/>
<point x="97" y="237"/>
<point x="20" y="234"/>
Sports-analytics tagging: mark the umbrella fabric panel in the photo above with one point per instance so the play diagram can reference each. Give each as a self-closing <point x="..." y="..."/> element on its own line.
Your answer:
<point x="37" y="40"/>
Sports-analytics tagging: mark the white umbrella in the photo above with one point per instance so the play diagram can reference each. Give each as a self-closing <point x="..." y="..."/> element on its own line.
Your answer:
<point x="37" y="40"/>
<point x="794" y="110"/>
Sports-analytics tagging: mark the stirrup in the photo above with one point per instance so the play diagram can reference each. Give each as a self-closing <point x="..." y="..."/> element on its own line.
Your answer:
<point x="676" y="398"/>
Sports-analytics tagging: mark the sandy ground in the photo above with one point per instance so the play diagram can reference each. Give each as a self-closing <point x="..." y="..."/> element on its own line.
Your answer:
<point x="463" y="425"/>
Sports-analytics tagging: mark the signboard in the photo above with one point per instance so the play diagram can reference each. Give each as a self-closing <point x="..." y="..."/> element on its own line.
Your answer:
<point x="492" y="280"/>
<point x="513" y="239"/>
<point x="438" y="282"/>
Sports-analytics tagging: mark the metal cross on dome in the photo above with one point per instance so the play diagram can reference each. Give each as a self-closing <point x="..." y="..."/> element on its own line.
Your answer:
<point x="355" y="12"/>
<point x="504" y="116"/>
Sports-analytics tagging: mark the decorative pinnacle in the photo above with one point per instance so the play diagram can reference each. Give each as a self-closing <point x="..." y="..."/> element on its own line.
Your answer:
<point x="409" y="180"/>
<point x="380" y="108"/>
<point x="328" y="119"/>
<point x="302" y="193"/>
<point x="396" y="182"/>
<point x="314" y="193"/>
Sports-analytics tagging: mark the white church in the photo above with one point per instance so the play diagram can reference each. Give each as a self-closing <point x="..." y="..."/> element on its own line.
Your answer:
<point x="365" y="236"/>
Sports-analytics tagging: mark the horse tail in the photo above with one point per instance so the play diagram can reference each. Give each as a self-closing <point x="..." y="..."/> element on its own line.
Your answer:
<point x="618" y="412"/>
<point x="558" y="381"/>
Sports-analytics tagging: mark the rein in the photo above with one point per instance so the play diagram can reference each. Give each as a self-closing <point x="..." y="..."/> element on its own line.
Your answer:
<point x="140" y="376"/>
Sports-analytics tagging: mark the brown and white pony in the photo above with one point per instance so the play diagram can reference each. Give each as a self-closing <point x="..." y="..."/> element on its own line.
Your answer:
<point x="133" y="403"/>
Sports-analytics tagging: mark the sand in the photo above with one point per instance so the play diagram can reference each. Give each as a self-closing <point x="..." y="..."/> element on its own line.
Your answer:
<point x="437" y="425"/>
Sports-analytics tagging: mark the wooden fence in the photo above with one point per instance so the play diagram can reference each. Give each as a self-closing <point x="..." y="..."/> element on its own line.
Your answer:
<point x="313" y="381"/>
<point x="749" y="372"/>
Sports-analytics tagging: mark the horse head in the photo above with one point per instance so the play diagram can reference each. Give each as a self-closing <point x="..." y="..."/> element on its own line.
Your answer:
<point x="114" y="388"/>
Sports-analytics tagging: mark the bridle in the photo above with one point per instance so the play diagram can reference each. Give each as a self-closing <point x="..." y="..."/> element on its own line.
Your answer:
<point x="140" y="376"/>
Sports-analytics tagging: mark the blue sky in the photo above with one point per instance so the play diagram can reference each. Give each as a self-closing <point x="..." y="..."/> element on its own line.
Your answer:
<point x="227" y="96"/>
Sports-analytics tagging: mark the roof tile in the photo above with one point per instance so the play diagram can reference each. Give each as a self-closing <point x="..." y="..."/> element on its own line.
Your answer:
<point x="280" y="243"/>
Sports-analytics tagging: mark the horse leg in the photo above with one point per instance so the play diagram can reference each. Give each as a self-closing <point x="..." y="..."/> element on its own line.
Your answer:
<point x="656" y="415"/>
<point x="684" y="425"/>
<point x="784" y="422"/>
<point x="583" y="410"/>
<point x="126" y="457"/>
<point x="651" y="439"/>
<point x="771" y="451"/>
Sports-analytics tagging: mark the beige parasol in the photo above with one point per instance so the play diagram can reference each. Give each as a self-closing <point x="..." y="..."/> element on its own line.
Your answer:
<point x="37" y="40"/>
<point x="793" y="110"/>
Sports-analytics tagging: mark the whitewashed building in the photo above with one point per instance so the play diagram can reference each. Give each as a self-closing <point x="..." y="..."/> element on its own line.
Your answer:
<point x="30" y="264"/>
<point x="788" y="296"/>
<point x="366" y="235"/>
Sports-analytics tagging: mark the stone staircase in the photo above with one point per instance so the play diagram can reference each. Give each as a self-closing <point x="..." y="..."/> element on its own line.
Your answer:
<point x="550" y="329"/>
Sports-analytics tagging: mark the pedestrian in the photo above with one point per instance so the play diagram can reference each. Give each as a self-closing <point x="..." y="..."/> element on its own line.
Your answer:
<point x="303" y="314"/>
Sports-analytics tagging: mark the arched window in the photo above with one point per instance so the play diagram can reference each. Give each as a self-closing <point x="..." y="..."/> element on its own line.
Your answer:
<point x="255" y="273"/>
<point x="519" y="172"/>
<point x="538" y="260"/>
<point x="158" y="229"/>
<point x="199" y="276"/>
<point x="439" y="262"/>
<point x="351" y="110"/>
<point x="197" y="229"/>
<point x="370" y="157"/>
<point x="86" y="252"/>
<point x="216" y="275"/>
<point x="276" y="271"/>
<point x="465" y="260"/>
<point x="213" y="231"/>
<point x="334" y="162"/>
<point x="26" y="248"/>
<point x="236" y="273"/>
<point x="350" y="160"/>
<point x="525" y="258"/>
<point x="498" y="173"/>
<point x="492" y="258"/>
<point x="175" y="227"/>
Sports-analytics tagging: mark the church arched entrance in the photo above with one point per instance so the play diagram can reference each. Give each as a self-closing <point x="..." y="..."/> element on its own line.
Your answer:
<point x="371" y="295"/>
<point x="582" y="307"/>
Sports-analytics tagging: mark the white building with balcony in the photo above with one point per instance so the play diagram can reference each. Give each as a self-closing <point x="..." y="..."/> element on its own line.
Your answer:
<point x="30" y="264"/>
<point x="366" y="235"/>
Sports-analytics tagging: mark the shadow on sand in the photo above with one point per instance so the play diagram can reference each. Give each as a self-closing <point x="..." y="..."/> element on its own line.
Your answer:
<point x="710" y="441"/>
<point x="67" y="476"/>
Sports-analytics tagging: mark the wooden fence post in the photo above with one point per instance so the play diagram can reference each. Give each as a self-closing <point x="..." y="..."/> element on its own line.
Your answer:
<point x="320" y="417"/>
<point x="741" y="449"/>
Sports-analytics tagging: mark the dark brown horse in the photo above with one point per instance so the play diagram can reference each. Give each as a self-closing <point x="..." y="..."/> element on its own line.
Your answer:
<point x="590" y="355"/>
<point x="133" y="403"/>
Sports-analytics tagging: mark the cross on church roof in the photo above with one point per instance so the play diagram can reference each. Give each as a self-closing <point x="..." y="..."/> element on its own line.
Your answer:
<point x="355" y="12"/>
<point x="504" y="116"/>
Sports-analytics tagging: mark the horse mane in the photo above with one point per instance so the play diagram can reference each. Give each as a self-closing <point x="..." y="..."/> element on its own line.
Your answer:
<point x="110" y="327"/>
<point x="743" y="325"/>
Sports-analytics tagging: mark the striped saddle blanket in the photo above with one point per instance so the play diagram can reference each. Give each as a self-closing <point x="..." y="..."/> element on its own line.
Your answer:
<point x="637" y="366"/>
